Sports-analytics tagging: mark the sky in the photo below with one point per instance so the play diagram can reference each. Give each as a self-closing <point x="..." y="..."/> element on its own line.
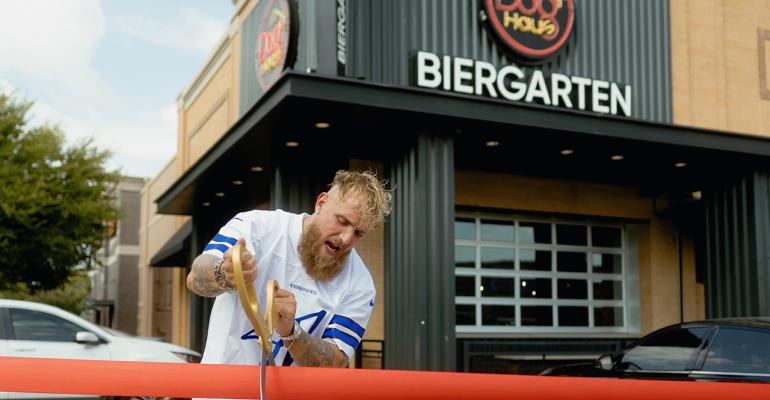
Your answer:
<point x="109" y="70"/>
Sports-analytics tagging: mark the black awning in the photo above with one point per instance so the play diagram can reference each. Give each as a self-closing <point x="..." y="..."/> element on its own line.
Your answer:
<point x="298" y="99"/>
<point x="176" y="251"/>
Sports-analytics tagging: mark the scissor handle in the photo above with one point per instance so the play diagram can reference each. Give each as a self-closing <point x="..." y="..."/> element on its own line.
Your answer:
<point x="263" y="324"/>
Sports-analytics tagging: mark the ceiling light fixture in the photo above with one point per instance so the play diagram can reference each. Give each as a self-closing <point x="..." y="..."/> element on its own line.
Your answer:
<point x="237" y="183"/>
<point x="567" y="152"/>
<point x="292" y="144"/>
<point x="205" y="204"/>
<point x="220" y="194"/>
<point x="616" y="157"/>
<point x="492" y="143"/>
<point x="680" y="164"/>
<point x="322" y="125"/>
<point x="256" y="168"/>
<point x="697" y="195"/>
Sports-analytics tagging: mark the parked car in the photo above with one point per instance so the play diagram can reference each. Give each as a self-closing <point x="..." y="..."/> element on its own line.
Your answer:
<point x="29" y="329"/>
<point x="713" y="350"/>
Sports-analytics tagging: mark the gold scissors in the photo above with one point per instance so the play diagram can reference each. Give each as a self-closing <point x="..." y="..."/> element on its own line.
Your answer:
<point x="263" y="324"/>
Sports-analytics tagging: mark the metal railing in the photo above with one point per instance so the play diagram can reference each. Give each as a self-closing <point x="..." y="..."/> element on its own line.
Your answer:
<point x="371" y="354"/>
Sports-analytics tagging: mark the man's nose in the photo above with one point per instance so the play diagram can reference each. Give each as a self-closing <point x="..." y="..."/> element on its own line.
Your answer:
<point x="346" y="237"/>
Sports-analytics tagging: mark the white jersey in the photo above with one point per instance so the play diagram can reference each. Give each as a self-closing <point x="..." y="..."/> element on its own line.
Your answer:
<point x="336" y="311"/>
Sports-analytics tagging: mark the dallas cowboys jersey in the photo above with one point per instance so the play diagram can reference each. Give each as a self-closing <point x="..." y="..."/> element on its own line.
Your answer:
<point x="336" y="311"/>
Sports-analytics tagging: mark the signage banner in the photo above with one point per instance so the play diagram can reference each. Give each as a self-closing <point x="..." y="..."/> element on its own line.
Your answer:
<point x="342" y="28"/>
<point x="510" y="82"/>
<point x="274" y="41"/>
<point x="531" y="30"/>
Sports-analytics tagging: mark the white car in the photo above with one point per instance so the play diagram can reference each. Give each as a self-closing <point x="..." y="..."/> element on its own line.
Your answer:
<point x="29" y="329"/>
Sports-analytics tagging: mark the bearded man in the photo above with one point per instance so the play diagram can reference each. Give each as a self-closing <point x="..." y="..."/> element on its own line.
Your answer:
<point x="327" y="293"/>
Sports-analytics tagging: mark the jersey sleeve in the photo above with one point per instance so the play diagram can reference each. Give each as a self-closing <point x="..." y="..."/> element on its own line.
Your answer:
<point x="348" y="324"/>
<point x="228" y="235"/>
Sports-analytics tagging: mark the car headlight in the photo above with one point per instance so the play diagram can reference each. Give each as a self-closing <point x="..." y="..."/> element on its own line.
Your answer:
<point x="187" y="357"/>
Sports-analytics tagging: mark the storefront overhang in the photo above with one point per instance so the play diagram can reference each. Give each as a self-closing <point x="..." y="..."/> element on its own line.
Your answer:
<point x="175" y="252"/>
<point x="377" y="116"/>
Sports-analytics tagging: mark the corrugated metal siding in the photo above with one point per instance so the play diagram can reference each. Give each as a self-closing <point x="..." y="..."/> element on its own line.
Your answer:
<point x="762" y="239"/>
<point x="620" y="41"/>
<point x="296" y="190"/>
<point x="419" y="259"/>
<point x="249" y="87"/>
<point x="737" y="247"/>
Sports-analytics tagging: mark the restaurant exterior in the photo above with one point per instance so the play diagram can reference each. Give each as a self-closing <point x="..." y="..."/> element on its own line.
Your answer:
<point x="569" y="175"/>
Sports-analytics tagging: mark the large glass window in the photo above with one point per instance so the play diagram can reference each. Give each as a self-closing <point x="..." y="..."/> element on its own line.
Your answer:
<point x="521" y="274"/>
<point x="673" y="349"/>
<point x="739" y="350"/>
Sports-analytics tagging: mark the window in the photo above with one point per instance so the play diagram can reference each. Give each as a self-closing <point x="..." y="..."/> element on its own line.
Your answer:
<point x="40" y="326"/>
<point x="521" y="274"/>
<point x="739" y="350"/>
<point x="673" y="349"/>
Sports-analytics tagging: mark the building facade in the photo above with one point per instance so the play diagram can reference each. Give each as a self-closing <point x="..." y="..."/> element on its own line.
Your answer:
<point x="569" y="175"/>
<point x="113" y="299"/>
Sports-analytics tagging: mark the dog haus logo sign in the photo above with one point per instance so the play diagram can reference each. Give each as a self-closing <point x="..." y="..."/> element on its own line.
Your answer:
<point x="533" y="31"/>
<point x="275" y="35"/>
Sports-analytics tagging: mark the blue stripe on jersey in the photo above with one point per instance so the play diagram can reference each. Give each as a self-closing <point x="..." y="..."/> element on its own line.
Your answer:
<point x="225" y="239"/>
<point x="348" y="323"/>
<point x="215" y="246"/>
<point x="338" y="334"/>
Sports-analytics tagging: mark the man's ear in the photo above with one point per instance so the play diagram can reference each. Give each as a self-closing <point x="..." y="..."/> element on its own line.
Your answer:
<point x="320" y="201"/>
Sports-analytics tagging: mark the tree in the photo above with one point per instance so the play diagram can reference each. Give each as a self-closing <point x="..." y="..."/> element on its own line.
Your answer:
<point x="54" y="201"/>
<point x="71" y="295"/>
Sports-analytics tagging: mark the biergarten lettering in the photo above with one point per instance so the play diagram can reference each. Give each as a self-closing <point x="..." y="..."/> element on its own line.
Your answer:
<point x="480" y="78"/>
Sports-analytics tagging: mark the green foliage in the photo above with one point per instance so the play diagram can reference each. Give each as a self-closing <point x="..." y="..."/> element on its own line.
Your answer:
<point x="70" y="296"/>
<point x="54" y="200"/>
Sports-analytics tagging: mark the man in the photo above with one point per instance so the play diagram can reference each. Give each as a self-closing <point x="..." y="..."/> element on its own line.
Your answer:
<point x="327" y="293"/>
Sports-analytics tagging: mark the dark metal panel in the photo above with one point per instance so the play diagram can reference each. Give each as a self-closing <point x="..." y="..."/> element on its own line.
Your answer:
<point x="326" y="36"/>
<point x="761" y="232"/>
<point x="296" y="190"/>
<point x="748" y="259"/>
<point x="728" y="264"/>
<point x="737" y="246"/>
<point x="438" y="207"/>
<point x="419" y="272"/>
<point x="738" y="193"/>
<point x="708" y="257"/>
<point x="621" y="41"/>
<point x="249" y="89"/>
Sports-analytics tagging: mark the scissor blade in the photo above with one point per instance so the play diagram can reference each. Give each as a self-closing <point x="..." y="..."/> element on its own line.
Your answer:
<point x="262" y="372"/>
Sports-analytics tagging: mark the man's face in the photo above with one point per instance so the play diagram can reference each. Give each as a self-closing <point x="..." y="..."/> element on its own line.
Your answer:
<point x="333" y="232"/>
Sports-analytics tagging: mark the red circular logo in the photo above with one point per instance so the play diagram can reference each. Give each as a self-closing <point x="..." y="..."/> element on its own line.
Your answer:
<point x="274" y="33"/>
<point x="533" y="29"/>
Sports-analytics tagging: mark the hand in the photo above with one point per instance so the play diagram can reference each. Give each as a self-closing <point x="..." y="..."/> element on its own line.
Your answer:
<point x="286" y="305"/>
<point x="248" y="264"/>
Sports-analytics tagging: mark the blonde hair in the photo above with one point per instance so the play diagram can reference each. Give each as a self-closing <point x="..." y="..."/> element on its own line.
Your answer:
<point x="374" y="198"/>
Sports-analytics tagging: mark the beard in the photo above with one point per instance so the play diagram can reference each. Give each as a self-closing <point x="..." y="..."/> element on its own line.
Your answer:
<point x="319" y="266"/>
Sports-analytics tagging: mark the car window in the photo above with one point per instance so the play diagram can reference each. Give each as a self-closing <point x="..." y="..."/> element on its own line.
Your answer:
<point x="673" y="349"/>
<point x="739" y="350"/>
<point x="41" y="326"/>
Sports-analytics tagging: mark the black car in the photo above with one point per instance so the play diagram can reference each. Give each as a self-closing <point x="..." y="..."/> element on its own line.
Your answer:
<point x="712" y="350"/>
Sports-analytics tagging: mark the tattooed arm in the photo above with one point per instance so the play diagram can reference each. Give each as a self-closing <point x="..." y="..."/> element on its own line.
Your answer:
<point x="201" y="279"/>
<point x="309" y="351"/>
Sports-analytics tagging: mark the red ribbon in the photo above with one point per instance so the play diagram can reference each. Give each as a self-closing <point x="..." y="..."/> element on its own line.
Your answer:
<point x="130" y="378"/>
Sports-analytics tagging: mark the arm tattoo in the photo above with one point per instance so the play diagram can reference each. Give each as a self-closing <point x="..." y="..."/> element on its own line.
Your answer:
<point x="203" y="282"/>
<point x="310" y="351"/>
